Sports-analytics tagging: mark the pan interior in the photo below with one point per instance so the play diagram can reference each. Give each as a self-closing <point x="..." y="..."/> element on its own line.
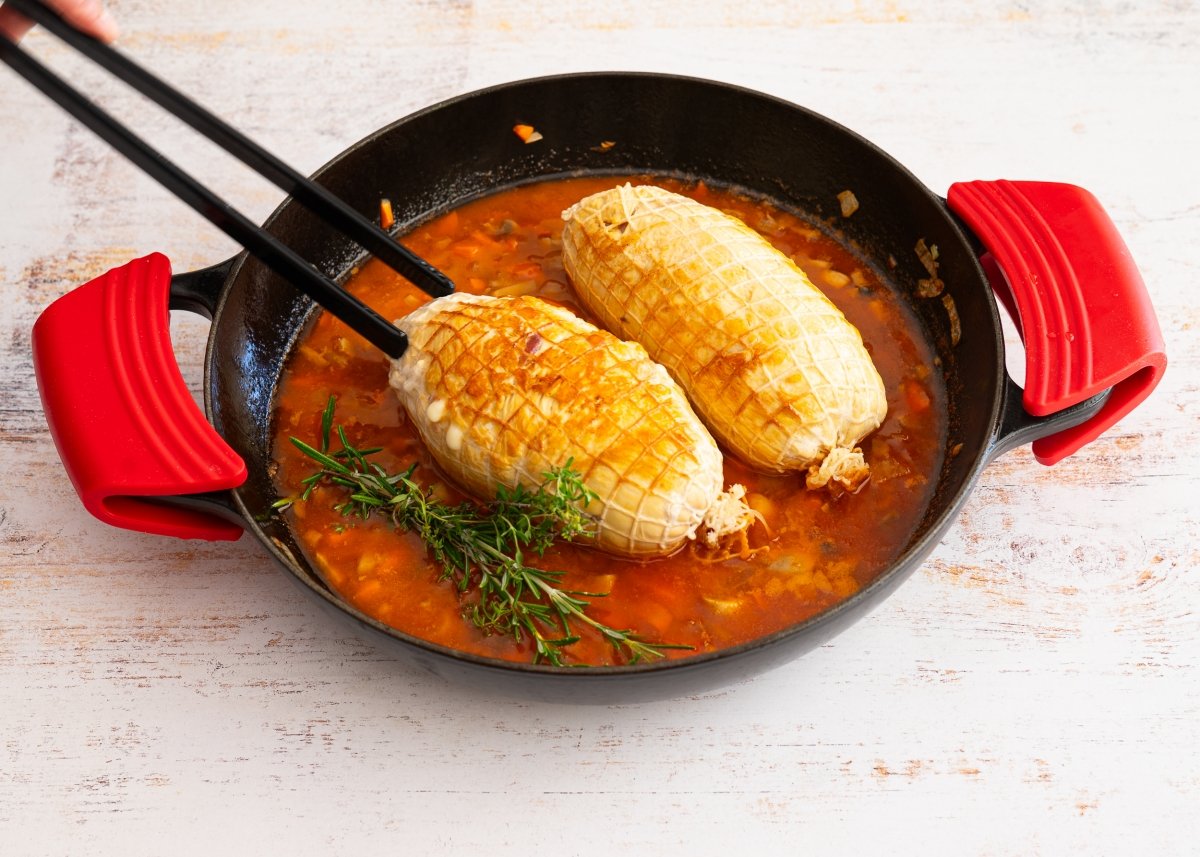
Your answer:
<point x="465" y="148"/>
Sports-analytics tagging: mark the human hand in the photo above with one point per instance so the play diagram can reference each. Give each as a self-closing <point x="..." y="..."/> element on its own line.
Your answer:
<point x="90" y="16"/>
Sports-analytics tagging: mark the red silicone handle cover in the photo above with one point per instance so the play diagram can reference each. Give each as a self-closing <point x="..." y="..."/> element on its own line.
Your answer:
<point x="1083" y="309"/>
<point x="125" y="425"/>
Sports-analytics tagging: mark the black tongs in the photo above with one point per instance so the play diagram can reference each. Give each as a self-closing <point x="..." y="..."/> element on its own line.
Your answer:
<point x="275" y="255"/>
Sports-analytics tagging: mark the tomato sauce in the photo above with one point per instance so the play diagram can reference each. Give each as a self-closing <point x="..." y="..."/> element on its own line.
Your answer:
<point x="819" y="548"/>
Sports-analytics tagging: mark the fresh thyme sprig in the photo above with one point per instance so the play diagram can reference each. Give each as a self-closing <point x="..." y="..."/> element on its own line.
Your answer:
<point x="482" y="547"/>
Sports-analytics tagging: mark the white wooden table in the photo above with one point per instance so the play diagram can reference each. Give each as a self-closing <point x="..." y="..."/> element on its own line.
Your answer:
<point x="1033" y="689"/>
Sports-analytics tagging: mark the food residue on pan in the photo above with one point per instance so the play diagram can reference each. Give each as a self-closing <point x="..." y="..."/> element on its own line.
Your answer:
<point x="848" y="202"/>
<point x="387" y="219"/>
<point x="933" y="286"/>
<point x="527" y="133"/>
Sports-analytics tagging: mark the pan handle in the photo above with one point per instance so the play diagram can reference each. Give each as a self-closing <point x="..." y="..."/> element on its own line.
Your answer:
<point x="1083" y="310"/>
<point x="126" y="427"/>
<point x="200" y="291"/>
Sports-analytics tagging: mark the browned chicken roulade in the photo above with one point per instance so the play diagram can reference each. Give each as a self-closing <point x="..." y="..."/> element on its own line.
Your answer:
<point x="502" y="390"/>
<point x="774" y="369"/>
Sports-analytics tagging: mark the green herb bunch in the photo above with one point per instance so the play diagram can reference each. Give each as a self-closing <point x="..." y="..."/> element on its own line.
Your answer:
<point x="482" y="548"/>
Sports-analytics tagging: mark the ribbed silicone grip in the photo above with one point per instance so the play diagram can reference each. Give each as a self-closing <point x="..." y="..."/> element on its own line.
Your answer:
<point x="125" y="425"/>
<point x="1084" y="313"/>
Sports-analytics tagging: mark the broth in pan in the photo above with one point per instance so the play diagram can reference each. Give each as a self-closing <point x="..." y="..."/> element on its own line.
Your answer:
<point x="810" y="550"/>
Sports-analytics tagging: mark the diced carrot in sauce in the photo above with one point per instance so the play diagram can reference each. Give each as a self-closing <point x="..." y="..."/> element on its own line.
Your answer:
<point x="918" y="400"/>
<point x="445" y="226"/>
<point x="527" y="270"/>
<point x="484" y="240"/>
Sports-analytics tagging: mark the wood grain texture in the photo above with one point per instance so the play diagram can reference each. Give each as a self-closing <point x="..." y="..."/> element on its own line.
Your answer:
<point x="1033" y="689"/>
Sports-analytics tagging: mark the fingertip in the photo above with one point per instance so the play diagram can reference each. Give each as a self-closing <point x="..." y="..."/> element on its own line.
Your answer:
<point x="105" y="27"/>
<point x="89" y="16"/>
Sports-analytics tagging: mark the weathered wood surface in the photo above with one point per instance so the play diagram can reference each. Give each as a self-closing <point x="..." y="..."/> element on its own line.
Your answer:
<point x="1034" y="689"/>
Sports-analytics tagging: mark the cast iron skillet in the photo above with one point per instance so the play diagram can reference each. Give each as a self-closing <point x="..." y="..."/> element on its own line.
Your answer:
<point x="102" y="353"/>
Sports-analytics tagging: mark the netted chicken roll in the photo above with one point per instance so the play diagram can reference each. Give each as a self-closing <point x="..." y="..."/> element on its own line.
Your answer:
<point x="774" y="369"/>
<point x="502" y="390"/>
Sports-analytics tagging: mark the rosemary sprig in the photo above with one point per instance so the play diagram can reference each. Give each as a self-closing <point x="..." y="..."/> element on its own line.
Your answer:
<point x="482" y="548"/>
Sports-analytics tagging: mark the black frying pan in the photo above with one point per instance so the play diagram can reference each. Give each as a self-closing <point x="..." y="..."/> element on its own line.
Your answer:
<point x="1093" y="345"/>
